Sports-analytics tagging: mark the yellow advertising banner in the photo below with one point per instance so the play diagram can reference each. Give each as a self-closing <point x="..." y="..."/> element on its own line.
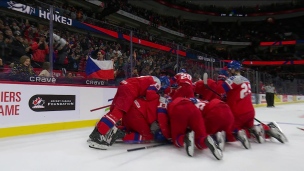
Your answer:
<point x="277" y="98"/>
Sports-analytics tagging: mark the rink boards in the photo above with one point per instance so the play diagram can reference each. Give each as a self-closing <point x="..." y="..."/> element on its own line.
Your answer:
<point x="36" y="108"/>
<point x="27" y="108"/>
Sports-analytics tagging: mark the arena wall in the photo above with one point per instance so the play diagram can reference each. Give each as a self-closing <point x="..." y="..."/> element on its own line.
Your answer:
<point x="29" y="108"/>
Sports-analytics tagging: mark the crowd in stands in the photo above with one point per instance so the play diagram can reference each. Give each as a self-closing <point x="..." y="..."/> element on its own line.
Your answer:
<point x="236" y="31"/>
<point x="21" y="38"/>
<point x="26" y="41"/>
<point x="257" y="8"/>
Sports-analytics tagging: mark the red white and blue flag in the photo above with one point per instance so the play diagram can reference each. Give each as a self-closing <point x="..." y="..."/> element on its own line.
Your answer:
<point x="99" y="69"/>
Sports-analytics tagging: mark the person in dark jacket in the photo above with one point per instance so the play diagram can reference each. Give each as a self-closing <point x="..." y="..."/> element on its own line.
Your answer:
<point x="17" y="47"/>
<point x="22" y="71"/>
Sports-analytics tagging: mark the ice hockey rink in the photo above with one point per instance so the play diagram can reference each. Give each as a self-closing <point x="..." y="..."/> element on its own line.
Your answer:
<point x="68" y="151"/>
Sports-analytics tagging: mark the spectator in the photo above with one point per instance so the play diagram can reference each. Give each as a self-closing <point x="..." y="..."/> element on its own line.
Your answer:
<point x="46" y="68"/>
<point x="117" y="51"/>
<point x="17" y="47"/>
<point x="135" y="73"/>
<point x="196" y="77"/>
<point x="262" y="87"/>
<point x="4" y="49"/>
<point x="23" y="70"/>
<point x="119" y="70"/>
<point x="100" y="55"/>
<point x="40" y="50"/>
<point x="1" y="65"/>
<point x="61" y="47"/>
<point x="69" y="75"/>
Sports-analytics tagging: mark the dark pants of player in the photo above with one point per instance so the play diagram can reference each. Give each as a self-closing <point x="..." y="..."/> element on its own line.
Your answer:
<point x="270" y="99"/>
<point x="186" y="115"/>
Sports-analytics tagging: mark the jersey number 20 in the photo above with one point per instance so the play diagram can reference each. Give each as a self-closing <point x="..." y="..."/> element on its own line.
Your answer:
<point x="246" y="89"/>
<point x="186" y="76"/>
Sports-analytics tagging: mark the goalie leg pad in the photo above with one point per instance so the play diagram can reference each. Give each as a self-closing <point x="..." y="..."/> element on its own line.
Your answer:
<point x="98" y="141"/>
<point x="96" y="145"/>
<point x="114" y="134"/>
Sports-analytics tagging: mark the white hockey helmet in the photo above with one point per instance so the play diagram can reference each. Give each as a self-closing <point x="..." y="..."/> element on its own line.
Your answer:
<point x="157" y="81"/>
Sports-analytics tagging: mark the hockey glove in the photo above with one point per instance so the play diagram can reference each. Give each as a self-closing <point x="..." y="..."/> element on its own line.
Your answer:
<point x="193" y="100"/>
<point x="159" y="137"/>
<point x="224" y="97"/>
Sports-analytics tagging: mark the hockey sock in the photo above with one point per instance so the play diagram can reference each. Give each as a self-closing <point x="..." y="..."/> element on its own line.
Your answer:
<point x="179" y="142"/>
<point x="230" y="137"/>
<point x="266" y="128"/>
<point x="133" y="137"/>
<point x="200" y="143"/>
<point x="108" y="121"/>
<point x="105" y="124"/>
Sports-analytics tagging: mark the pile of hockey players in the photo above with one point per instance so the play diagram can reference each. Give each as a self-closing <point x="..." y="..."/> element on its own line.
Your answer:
<point x="205" y="114"/>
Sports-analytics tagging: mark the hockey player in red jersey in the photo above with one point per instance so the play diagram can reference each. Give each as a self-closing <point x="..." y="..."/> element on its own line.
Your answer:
<point x="106" y="132"/>
<point x="146" y="121"/>
<point x="238" y="91"/>
<point x="239" y="99"/>
<point x="184" y="82"/>
<point x="223" y="75"/>
<point x="203" y="92"/>
<point x="184" y="113"/>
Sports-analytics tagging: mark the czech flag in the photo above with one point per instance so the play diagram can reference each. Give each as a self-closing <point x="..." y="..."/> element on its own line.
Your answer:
<point x="99" y="69"/>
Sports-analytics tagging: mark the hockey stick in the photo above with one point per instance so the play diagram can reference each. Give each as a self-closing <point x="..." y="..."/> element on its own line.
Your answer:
<point x="134" y="142"/>
<point x="92" y="110"/>
<point x="146" y="147"/>
<point x="300" y="128"/>
<point x="110" y="99"/>
<point x="205" y="79"/>
<point x="259" y="121"/>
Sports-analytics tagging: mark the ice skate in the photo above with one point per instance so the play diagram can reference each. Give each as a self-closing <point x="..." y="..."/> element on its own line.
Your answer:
<point x="213" y="147"/>
<point x="242" y="137"/>
<point x="221" y="139"/>
<point x="114" y="134"/>
<point x="257" y="133"/>
<point x="97" y="140"/>
<point x="276" y="132"/>
<point x="189" y="143"/>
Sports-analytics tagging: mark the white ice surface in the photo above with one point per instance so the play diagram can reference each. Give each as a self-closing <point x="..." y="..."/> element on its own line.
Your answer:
<point x="68" y="151"/>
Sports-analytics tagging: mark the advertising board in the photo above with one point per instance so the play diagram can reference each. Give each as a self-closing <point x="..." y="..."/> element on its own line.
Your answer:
<point x="36" y="104"/>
